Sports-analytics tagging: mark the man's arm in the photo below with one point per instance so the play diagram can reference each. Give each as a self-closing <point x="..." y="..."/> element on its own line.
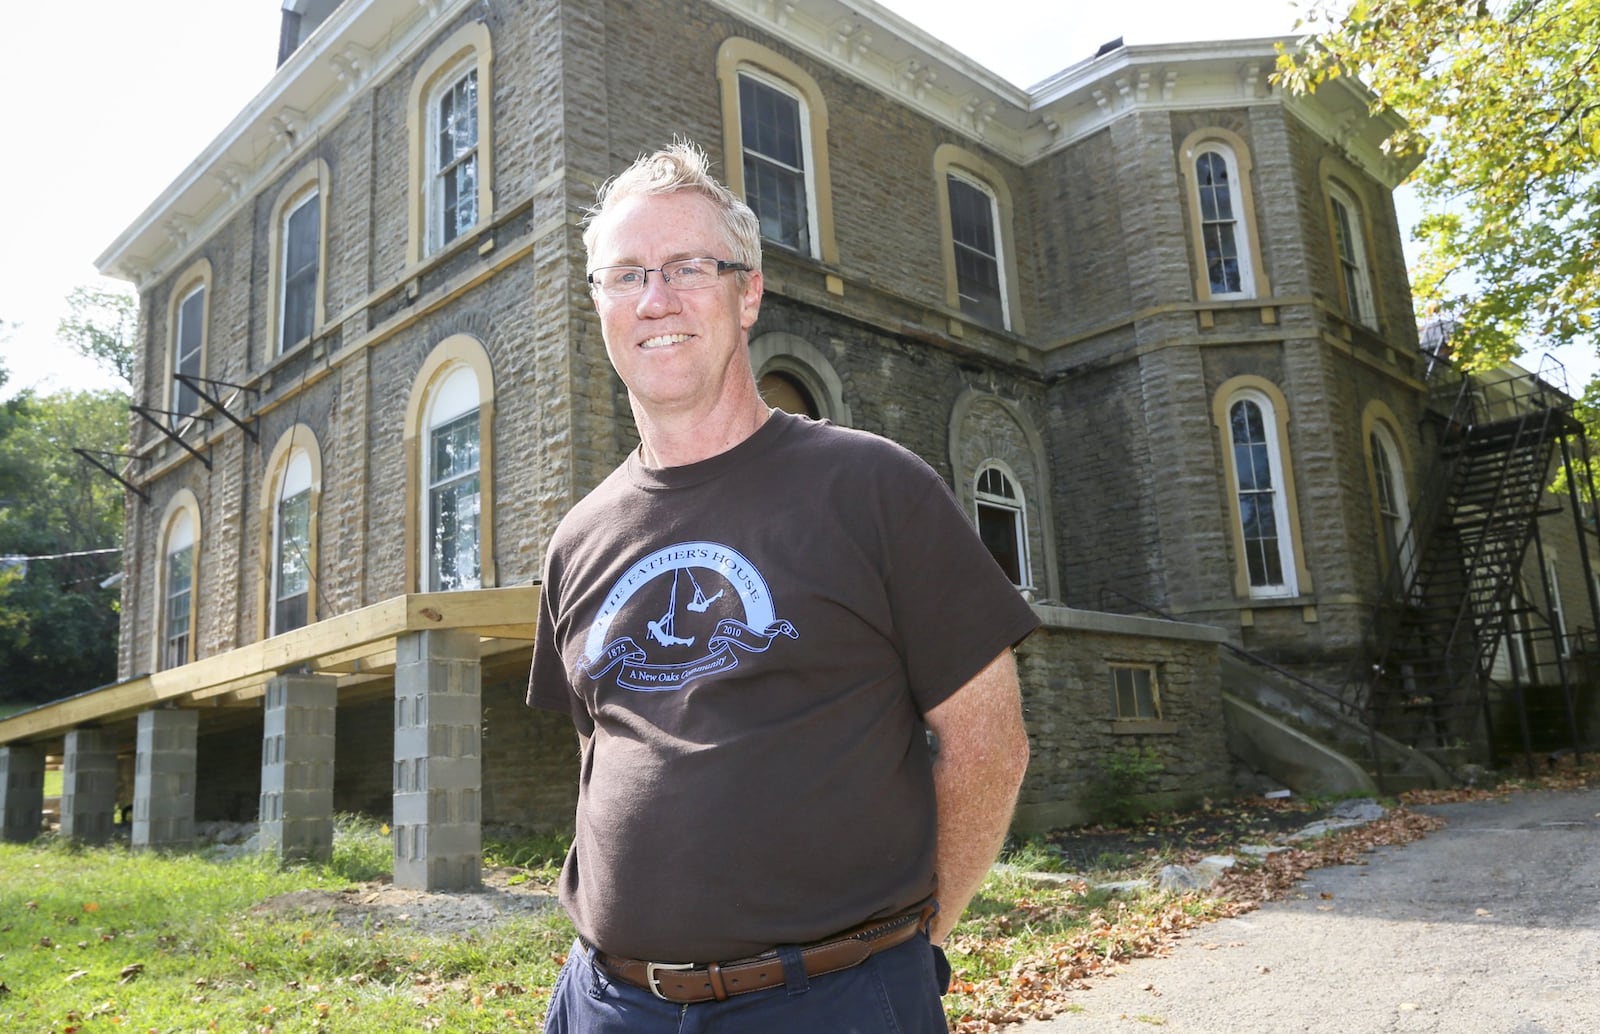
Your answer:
<point x="983" y="754"/>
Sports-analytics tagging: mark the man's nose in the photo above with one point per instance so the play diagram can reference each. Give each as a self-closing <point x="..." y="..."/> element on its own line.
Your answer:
<point x="658" y="296"/>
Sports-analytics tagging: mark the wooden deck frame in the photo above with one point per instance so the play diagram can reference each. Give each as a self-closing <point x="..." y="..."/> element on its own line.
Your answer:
<point x="356" y="647"/>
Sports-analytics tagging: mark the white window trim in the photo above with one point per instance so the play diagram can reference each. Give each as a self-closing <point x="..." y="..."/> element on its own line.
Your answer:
<point x="456" y="395"/>
<point x="999" y="256"/>
<point x="1349" y="231"/>
<point x="1383" y="443"/>
<point x="809" y="173"/>
<point x="1287" y="561"/>
<point x="434" y="170"/>
<point x="176" y="387"/>
<point x="312" y="196"/>
<point x="1017" y="506"/>
<point x="296" y="479"/>
<point x="1241" y="227"/>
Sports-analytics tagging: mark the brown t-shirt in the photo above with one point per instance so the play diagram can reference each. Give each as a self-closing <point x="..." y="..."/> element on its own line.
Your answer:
<point x="749" y="643"/>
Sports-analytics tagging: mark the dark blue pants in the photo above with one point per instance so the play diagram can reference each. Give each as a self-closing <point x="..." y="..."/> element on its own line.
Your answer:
<point x="892" y="992"/>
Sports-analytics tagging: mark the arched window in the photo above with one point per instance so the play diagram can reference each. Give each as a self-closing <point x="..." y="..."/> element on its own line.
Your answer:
<point x="449" y="469"/>
<point x="1226" y="248"/>
<point x="796" y="377"/>
<point x="1266" y="535"/>
<point x="175" y="644"/>
<point x="1002" y="521"/>
<point x="1227" y="262"/>
<point x="450" y="472"/>
<point x="290" y="504"/>
<point x="451" y="134"/>
<point x="784" y="391"/>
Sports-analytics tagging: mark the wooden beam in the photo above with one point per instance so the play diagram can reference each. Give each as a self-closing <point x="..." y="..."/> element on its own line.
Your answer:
<point x="358" y="645"/>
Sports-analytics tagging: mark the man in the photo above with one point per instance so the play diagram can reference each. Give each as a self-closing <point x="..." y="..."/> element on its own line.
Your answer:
<point x="755" y="622"/>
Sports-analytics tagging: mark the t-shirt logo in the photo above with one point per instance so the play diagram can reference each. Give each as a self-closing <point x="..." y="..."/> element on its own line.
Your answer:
<point x="685" y="611"/>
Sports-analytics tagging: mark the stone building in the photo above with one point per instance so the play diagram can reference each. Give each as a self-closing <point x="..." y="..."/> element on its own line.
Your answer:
<point x="1150" y="319"/>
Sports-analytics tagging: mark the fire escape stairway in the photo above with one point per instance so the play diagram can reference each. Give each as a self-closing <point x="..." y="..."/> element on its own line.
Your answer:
<point x="1437" y="636"/>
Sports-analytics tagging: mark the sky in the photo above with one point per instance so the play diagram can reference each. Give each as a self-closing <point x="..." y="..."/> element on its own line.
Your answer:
<point x="119" y="115"/>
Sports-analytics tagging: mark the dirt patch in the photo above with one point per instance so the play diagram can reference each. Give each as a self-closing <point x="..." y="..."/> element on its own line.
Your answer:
<point x="380" y="904"/>
<point x="1218" y="829"/>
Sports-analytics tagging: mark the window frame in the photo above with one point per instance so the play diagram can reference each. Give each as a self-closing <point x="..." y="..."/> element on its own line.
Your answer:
<point x="950" y="161"/>
<point x="976" y="309"/>
<point x="1352" y="262"/>
<point x="1275" y="424"/>
<point x="738" y="57"/>
<point x="466" y="51"/>
<point x="195" y="280"/>
<point x="1391" y="500"/>
<point x="1235" y="154"/>
<point x="436" y="488"/>
<point x="805" y="174"/>
<point x="308" y="186"/>
<point x="1015" y="505"/>
<point x="442" y="173"/>
<point x="1152" y="673"/>
<point x="182" y="514"/>
<point x="294" y="445"/>
<point x="454" y="353"/>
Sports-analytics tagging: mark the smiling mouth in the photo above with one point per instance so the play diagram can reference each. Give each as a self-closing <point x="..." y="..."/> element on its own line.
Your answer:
<point x="663" y="340"/>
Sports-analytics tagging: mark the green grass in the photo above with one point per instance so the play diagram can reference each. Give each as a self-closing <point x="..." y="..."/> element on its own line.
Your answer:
<point x="108" y="939"/>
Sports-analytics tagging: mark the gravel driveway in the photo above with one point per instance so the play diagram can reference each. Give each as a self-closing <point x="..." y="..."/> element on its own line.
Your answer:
<point x="1490" y="925"/>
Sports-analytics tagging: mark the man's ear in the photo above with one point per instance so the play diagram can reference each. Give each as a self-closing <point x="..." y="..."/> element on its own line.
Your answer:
<point x="750" y="300"/>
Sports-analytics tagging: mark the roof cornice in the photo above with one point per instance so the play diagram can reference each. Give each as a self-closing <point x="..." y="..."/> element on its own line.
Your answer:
<point x="366" y="40"/>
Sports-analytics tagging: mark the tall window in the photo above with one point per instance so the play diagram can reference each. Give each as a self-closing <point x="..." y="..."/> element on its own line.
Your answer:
<point x="178" y="590"/>
<point x="188" y="340"/>
<point x="772" y="126"/>
<point x="1221" y="230"/>
<point x="451" y="468"/>
<point x="1001" y="523"/>
<point x="1354" y="274"/>
<point x="453" y="159"/>
<point x="291" y="547"/>
<point x="1558" y="611"/>
<point x="1393" y="506"/>
<point x="301" y="243"/>
<point x="1263" y="507"/>
<point x="973" y="229"/>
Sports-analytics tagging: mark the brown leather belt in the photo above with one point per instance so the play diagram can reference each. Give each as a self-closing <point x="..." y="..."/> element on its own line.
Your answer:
<point x="687" y="983"/>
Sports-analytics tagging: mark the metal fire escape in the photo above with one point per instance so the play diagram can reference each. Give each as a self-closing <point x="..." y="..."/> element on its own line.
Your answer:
<point x="1458" y="597"/>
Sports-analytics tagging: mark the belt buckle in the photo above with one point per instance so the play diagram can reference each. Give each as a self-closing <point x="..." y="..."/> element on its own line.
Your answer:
<point x="650" y="978"/>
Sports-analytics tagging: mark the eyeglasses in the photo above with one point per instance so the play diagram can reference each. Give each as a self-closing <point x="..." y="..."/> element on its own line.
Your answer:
<point x="690" y="274"/>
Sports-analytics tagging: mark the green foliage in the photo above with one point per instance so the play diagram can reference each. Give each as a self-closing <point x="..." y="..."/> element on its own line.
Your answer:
<point x="1118" y="793"/>
<point x="58" y="627"/>
<point x="1504" y="98"/>
<point x="102" y="326"/>
<point x="106" y="938"/>
<point x="362" y="848"/>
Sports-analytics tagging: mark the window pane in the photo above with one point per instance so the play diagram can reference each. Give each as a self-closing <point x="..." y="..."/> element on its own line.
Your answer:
<point x="455" y="171"/>
<point x="453" y="500"/>
<point x="190" y="339"/>
<point x="301" y="236"/>
<point x="998" y="528"/>
<point x="180" y="579"/>
<point x="292" y="572"/>
<point x="774" y="163"/>
<point x="972" y="229"/>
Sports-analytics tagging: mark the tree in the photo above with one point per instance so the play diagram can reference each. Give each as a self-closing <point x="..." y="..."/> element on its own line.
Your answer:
<point x="102" y="325"/>
<point x="60" y="528"/>
<point x="1507" y="95"/>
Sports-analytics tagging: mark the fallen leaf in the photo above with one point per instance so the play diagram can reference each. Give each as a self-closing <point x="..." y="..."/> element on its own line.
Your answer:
<point x="90" y="906"/>
<point x="130" y="972"/>
<point x="1484" y="913"/>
